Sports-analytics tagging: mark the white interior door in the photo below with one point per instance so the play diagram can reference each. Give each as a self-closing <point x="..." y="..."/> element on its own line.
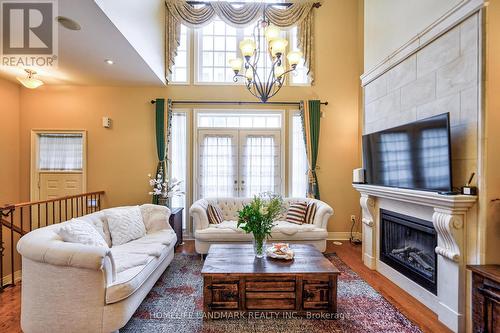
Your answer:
<point x="58" y="164"/>
<point x="260" y="162"/>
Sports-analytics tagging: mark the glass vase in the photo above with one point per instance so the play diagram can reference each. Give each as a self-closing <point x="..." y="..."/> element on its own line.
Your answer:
<point x="259" y="246"/>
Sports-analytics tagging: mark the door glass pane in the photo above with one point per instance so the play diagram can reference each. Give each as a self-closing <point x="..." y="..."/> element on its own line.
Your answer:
<point x="260" y="165"/>
<point x="217" y="166"/>
<point x="60" y="152"/>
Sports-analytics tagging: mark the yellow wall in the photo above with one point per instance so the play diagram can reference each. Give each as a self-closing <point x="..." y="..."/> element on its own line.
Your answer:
<point x="391" y="23"/>
<point x="9" y="142"/>
<point x="492" y="249"/>
<point x="120" y="158"/>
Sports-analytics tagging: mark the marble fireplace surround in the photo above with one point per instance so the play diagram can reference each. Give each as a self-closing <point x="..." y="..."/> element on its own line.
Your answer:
<point x="448" y="214"/>
<point x="437" y="71"/>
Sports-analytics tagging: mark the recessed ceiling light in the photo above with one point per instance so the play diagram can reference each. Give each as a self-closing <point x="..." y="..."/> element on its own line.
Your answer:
<point x="68" y="23"/>
<point x="109" y="61"/>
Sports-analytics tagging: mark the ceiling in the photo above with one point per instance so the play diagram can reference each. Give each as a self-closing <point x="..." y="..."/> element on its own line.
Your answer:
<point x="82" y="54"/>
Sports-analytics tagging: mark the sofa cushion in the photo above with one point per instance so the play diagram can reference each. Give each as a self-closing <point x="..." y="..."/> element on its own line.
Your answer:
<point x="82" y="232"/>
<point x="297" y="213"/>
<point x="129" y="280"/>
<point x="227" y="231"/>
<point x="98" y="219"/>
<point x="214" y="214"/>
<point x="155" y="217"/>
<point x="310" y="213"/>
<point x="125" y="224"/>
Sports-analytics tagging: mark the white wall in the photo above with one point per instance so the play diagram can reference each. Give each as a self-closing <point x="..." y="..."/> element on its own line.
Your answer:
<point x="391" y="23"/>
<point x="142" y="23"/>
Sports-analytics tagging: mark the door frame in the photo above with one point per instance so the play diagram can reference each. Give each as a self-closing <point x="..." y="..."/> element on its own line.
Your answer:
<point x="283" y="129"/>
<point x="34" y="156"/>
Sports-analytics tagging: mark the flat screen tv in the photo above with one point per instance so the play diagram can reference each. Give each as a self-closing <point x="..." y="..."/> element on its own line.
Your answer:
<point x="414" y="156"/>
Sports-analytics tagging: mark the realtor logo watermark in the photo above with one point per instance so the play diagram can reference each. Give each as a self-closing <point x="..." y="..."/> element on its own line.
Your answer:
<point x="29" y="33"/>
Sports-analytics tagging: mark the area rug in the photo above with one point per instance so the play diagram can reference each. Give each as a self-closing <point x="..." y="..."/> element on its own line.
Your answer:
<point x="175" y="305"/>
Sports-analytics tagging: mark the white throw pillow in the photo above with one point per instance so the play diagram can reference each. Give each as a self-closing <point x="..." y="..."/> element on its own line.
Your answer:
<point x="125" y="224"/>
<point x="78" y="231"/>
<point x="154" y="217"/>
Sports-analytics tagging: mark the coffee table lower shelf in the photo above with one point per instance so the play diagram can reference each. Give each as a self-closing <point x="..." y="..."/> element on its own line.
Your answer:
<point x="297" y="294"/>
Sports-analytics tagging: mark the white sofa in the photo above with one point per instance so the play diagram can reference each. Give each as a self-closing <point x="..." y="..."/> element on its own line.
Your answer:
<point x="206" y="234"/>
<point x="71" y="287"/>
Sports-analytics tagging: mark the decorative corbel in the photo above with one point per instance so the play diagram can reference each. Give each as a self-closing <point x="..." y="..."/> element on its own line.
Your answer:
<point x="445" y="223"/>
<point x="368" y="209"/>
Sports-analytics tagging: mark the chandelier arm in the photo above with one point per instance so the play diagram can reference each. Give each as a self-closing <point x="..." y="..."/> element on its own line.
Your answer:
<point x="276" y="90"/>
<point x="257" y="81"/>
<point x="271" y="79"/>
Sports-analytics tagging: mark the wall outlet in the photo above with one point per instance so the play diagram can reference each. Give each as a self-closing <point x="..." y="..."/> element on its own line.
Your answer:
<point x="353" y="218"/>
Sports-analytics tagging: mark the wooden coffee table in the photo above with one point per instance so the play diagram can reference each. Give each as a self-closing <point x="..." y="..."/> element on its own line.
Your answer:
<point x="234" y="280"/>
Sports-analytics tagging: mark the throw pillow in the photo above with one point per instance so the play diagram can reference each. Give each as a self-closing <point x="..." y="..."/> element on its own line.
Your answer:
<point x="296" y="213"/>
<point x="82" y="232"/>
<point x="310" y="213"/>
<point x="125" y="224"/>
<point x="214" y="214"/>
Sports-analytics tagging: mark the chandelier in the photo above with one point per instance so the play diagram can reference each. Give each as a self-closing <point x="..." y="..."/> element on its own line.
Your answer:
<point x="267" y="86"/>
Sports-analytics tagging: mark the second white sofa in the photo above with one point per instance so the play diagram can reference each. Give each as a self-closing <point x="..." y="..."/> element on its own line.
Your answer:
<point x="206" y="234"/>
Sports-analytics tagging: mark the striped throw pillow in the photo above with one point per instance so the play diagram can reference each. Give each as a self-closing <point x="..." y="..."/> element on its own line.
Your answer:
<point x="296" y="213"/>
<point x="214" y="214"/>
<point x="310" y="213"/>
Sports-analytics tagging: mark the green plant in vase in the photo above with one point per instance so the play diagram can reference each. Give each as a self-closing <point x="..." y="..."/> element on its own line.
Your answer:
<point x="257" y="218"/>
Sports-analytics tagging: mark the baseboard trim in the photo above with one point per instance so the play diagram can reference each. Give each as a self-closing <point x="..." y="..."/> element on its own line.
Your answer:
<point x="8" y="278"/>
<point x="342" y="235"/>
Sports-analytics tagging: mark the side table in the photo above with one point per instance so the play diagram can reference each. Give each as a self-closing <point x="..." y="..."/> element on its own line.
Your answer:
<point x="176" y="223"/>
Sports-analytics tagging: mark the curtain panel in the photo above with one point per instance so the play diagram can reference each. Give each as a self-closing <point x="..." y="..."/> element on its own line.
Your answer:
<point x="163" y="130"/>
<point x="299" y="14"/>
<point x="310" y="114"/>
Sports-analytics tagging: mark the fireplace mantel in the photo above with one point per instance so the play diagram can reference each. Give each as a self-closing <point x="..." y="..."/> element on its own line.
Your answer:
<point x="456" y="203"/>
<point x="449" y="214"/>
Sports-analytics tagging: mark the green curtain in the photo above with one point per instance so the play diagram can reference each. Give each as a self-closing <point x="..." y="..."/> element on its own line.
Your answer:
<point x="311" y="117"/>
<point x="160" y="141"/>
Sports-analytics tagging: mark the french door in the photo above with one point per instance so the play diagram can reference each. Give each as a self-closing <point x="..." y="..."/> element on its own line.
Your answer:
<point x="238" y="163"/>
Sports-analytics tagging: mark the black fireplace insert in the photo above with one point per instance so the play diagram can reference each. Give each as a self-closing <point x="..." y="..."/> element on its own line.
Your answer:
<point x="407" y="244"/>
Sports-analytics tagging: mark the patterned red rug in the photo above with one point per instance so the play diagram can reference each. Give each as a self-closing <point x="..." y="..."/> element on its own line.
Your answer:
<point x="175" y="305"/>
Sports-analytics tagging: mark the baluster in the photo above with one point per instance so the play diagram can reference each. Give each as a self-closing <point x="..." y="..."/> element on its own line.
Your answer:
<point x="60" y="217"/>
<point x="66" y="209"/>
<point x="72" y="211"/>
<point x="1" y="251"/>
<point x="53" y="212"/>
<point x="46" y="214"/>
<point x="31" y="218"/>
<point x="22" y="228"/>
<point x="99" y="201"/>
<point x="12" y="246"/>
<point x="38" y="217"/>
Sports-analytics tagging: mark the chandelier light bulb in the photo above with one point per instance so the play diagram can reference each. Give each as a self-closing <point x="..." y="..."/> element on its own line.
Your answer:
<point x="278" y="47"/>
<point x="294" y="58"/>
<point x="30" y="82"/>
<point x="247" y="47"/>
<point x="236" y="64"/>
<point x="272" y="32"/>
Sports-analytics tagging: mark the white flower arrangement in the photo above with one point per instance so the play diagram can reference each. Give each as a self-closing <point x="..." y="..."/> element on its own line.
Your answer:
<point x="165" y="188"/>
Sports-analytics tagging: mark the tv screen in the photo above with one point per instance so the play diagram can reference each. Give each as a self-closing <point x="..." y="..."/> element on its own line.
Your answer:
<point x="415" y="156"/>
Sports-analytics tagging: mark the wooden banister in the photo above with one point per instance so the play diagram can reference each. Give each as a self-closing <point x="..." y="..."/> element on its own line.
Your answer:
<point x="23" y="217"/>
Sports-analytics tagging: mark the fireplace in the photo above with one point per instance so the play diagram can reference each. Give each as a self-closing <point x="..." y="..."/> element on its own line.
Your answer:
<point x="408" y="244"/>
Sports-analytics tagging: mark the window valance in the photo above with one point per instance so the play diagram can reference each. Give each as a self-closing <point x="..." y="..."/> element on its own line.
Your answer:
<point x="299" y="14"/>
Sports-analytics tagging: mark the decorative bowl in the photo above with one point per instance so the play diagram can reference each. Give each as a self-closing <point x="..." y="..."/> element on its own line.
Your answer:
<point x="280" y="251"/>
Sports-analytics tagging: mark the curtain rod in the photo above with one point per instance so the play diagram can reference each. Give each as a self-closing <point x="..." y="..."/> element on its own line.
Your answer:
<point x="286" y="4"/>
<point x="236" y="102"/>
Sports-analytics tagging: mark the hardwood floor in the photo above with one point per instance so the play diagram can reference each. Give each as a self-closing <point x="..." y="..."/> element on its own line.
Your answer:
<point x="10" y="299"/>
